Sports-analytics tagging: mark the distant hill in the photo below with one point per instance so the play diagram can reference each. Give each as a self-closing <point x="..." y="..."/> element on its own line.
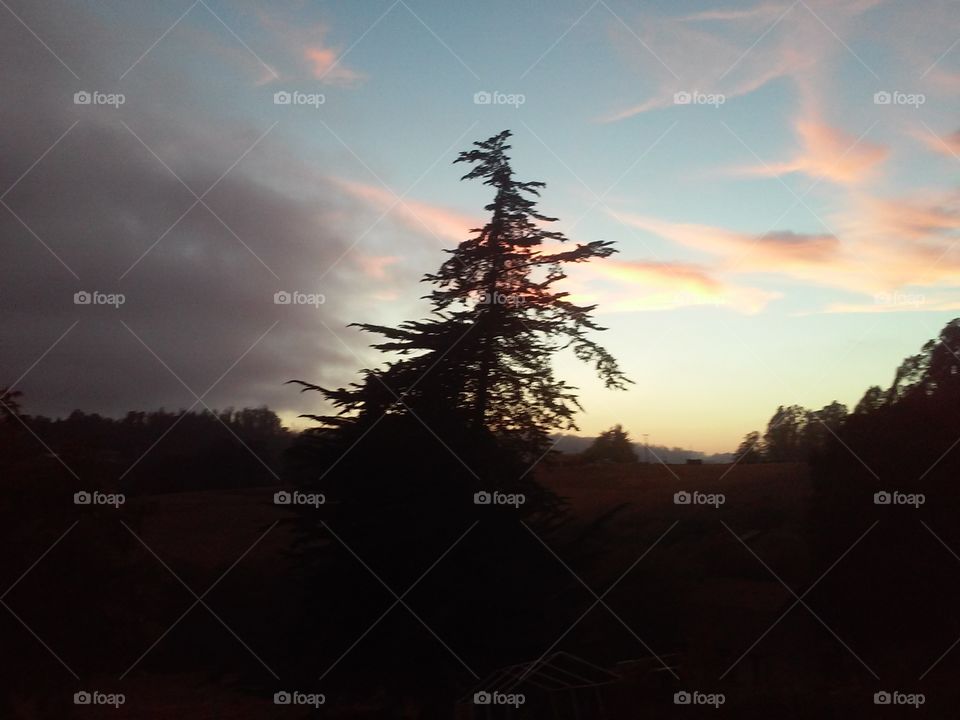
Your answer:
<point x="658" y="453"/>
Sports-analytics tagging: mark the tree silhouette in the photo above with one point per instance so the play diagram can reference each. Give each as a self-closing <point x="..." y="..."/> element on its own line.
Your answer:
<point x="612" y="445"/>
<point x="751" y="449"/>
<point x="902" y="439"/>
<point x="783" y="440"/>
<point x="497" y="321"/>
<point x="820" y="426"/>
<point x="464" y="406"/>
<point x="872" y="399"/>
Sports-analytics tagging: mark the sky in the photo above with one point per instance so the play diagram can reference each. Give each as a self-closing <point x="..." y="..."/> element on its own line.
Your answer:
<point x="780" y="179"/>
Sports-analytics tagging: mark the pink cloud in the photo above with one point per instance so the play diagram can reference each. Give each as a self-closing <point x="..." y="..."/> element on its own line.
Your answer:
<point x="326" y="66"/>
<point x="375" y="266"/>
<point x="445" y="224"/>
<point x="307" y="48"/>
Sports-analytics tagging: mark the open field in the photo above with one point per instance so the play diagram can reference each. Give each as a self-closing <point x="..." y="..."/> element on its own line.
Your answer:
<point x="200" y="535"/>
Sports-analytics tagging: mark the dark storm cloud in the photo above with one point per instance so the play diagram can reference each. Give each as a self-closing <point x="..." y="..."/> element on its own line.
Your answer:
<point x="199" y="292"/>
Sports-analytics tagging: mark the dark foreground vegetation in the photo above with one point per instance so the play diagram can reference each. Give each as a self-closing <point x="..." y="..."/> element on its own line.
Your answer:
<point x="699" y="599"/>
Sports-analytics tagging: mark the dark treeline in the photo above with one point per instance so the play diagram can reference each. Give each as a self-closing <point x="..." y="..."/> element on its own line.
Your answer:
<point x="146" y="451"/>
<point x="793" y="434"/>
<point x="885" y="500"/>
<point x="895" y="462"/>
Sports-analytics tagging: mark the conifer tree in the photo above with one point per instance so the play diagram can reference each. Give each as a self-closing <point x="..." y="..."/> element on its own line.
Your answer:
<point x="463" y="407"/>
<point x="485" y="352"/>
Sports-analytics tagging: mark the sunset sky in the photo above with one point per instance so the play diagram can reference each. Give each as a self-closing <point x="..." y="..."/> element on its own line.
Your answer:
<point x="787" y="236"/>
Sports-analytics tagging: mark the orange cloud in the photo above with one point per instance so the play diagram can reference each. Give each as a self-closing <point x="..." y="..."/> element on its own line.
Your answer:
<point x="827" y="153"/>
<point x="911" y="219"/>
<point x="887" y="245"/>
<point x="637" y="285"/>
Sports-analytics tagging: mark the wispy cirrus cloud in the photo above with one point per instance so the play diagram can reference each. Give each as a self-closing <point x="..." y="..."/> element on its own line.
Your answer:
<point x="826" y="153"/>
<point x="884" y="245"/>
<point x="773" y="250"/>
<point x="947" y="144"/>
<point x="308" y="49"/>
<point x="733" y="52"/>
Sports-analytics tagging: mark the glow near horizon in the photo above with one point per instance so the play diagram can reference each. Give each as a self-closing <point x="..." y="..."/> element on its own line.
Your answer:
<point x="791" y="245"/>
